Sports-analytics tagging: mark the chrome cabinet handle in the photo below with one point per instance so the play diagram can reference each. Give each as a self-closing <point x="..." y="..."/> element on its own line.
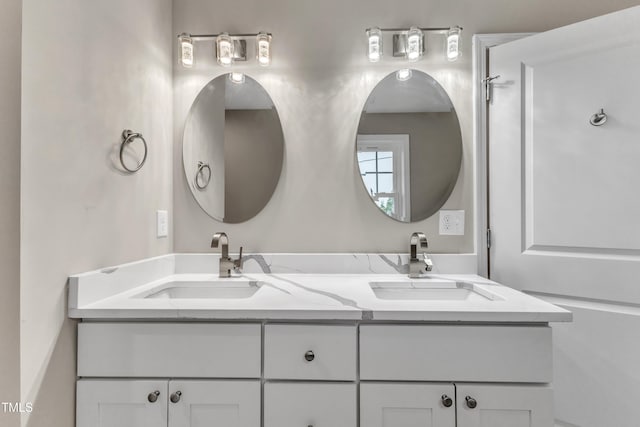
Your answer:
<point x="471" y="402"/>
<point x="152" y="397"/>
<point x="446" y="401"/>
<point x="309" y="356"/>
<point x="175" y="397"/>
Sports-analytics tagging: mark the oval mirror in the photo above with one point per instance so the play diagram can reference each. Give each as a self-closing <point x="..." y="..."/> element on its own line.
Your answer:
<point x="409" y="146"/>
<point x="233" y="148"/>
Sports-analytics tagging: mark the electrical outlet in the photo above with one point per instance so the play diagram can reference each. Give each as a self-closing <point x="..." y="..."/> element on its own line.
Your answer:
<point x="162" y="223"/>
<point x="452" y="223"/>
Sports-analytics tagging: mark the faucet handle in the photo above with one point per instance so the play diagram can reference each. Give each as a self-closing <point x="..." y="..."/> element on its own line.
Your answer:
<point x="237" y="264"/>
<point x="428" y="263"/>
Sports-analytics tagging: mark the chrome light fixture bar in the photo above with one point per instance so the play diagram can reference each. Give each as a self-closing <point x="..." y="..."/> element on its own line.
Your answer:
<point x="229" y="48"/>
<point x="410" y="43"/>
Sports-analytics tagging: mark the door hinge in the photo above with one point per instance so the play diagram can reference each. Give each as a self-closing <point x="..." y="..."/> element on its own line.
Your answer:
<point x="488" y="238"/>
<point x="487" y="86"/>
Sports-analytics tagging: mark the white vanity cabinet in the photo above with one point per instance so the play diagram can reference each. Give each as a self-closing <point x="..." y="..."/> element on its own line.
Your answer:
<point x="455" y="405"/>
<point x="510" y="367"/>
<point x="288" y="374"/>
<point x="157" y="403"/>
<point x="116" y="359"/>
<point x="311" y="373"/>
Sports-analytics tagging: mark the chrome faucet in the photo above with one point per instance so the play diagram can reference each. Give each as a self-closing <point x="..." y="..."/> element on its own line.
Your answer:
<point x="226" y="263"/>
<point x="417" y="266"/>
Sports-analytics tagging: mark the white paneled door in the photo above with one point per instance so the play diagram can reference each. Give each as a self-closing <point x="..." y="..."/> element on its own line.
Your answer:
<point x="118" y="403"/>
<point x="407" y="405"/>
<point x="488" y="405"/>
<point x="214" y="403"/>
<point x="565" y="200"/>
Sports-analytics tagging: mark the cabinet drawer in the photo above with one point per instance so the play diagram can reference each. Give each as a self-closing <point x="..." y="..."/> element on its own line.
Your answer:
<point x="310" y="352"/>
<point x="310" y="404"/>
<point x="456" y="353"/>
<point x="169" y="350"/>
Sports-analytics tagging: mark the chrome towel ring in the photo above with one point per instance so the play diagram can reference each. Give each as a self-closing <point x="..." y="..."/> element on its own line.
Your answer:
<point x="199" y="180"/>
<point x="598" y="119"/>
<point x="128" y="136"/>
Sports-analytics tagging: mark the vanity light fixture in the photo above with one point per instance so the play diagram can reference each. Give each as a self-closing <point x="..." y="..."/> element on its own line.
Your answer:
<point x="229" y="48"/>
<point x="237" y="78"/>
<point x="403" y="75"/>
<point x="374" y="36"/>
<point x="453" y="43"/>
<point x="410" y="44"/>
<point x="263" y="49"/>
<point x="224" y="49"/>
<point x="415" y="46"/>
<point x="186" y="50"/>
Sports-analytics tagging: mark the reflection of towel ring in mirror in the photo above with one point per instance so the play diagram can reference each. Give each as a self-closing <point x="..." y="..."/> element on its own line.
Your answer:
<point x="128" y="137"/>
<point x="201" y="183"/>
<point x="598" y="119"/>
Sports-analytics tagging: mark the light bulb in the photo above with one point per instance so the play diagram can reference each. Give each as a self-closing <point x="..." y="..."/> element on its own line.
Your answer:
<point x="236" y="77"/>
<point x="453" y="43"/>
<point x="374" y="36"/>
<point x="414" y="44"/>
<point x="263" y="49"/>
<point x="224" y="49"/>
<point x="186" y="50"/>
<point x="403" y="75"/>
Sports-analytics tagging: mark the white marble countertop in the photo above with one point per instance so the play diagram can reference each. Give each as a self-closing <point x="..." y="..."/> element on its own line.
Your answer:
<point x="119" y="293"/>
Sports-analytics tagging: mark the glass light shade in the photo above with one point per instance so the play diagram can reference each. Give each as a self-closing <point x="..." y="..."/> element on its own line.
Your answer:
<point x="403" y="75"/>
<point x="236" y="77"/>
<point x="186" y="50"/>
<point x="414" y="44"/>
<point x="263" y="49"/>
<point x="453" y="43"/>
<point x="224" y="49"/>
<point x="374" y="37"/>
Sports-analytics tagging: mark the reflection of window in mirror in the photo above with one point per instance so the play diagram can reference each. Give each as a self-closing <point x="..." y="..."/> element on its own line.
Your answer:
<point x="384" y="168"/>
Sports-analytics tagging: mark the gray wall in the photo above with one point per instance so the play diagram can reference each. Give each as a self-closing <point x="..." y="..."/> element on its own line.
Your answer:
<point x="90" y="70"/>
<point x="319" y="82"/>
<point x="10" y="29"/>
<point x="435" y="154"/>
<point x="253" y="145"/>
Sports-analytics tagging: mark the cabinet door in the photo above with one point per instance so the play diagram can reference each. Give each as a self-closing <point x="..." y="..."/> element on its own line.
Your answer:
<point x="214" y="403"/>
<point x="504" y="405"/>
<point x="121" y="403"/>
<point x="407" y="405"/>
<point x="310" y="404"/>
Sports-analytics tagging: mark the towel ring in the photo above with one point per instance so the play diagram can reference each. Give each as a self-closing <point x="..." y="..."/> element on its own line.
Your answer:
<point x="598" y="119"/>
<point x="128" y="137"/>
<point x="200" y="173"/>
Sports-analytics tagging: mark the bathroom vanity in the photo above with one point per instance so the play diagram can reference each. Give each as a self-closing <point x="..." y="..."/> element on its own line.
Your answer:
<point x="166" y="342"/>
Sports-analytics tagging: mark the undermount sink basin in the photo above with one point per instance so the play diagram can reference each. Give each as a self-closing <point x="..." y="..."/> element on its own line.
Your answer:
<point x="432" y="290"/>
<point x="218" y="289"/>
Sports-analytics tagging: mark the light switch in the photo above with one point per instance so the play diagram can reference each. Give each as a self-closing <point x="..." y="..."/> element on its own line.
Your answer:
<point x="162" y="223"/>
<point x="452" y="223"/>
